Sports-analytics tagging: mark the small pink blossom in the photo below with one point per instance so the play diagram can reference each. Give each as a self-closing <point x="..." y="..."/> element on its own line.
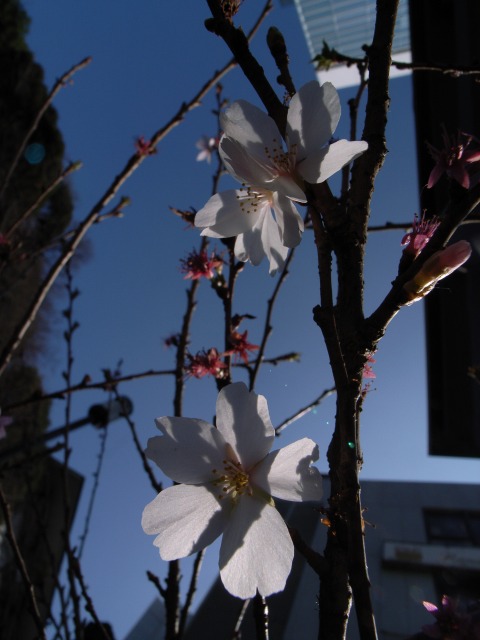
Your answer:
<point x="199" y="265"/>
<point x="144" y="147"/>
<point x="206" y="363"/>
<point x="452" y="623"/>
<point x="241" y="346"/>
<point x="207" y="147"/>
<point x="4" y="240"/>
<point x="368" y="371"/>
<point x="453" y="159"/>
<point x="422" y="230"/>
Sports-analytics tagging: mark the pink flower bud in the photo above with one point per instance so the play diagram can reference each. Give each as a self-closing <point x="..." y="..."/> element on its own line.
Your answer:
<point x="438" y="266"/>
<point x="447" y="260"/>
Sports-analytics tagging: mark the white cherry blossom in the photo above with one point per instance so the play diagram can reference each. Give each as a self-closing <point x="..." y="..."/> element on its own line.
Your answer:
<point x="227" y="479"/>
<point x="262" y="214"/>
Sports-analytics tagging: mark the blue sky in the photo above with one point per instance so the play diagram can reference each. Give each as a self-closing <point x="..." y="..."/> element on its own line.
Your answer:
<point x="147" y="58"/>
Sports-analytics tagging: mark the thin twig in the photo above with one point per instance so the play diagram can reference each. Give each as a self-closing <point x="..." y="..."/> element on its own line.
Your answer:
<point x="353" y="104"/>
<point x="314" y="559"/>
<point x="74" y="166"/>
<point x="72" y="326"/>
<point x="40" y="520"/>
<point x="191" y="592"/>
<point x="305" y="410"/>
<point x="332" y="55"/>
<point x="29" y="588"/>
<point x="260" y="614"/>
<point x="238" y="44"/>
<point x="293" y="356"/>
<point x="172" y="600"/>
<point x="88" y="600"/>
<point x="267" y="329"/>
<point x="131" y="166"/>
<point x="85" y="385"/>
<point x="61" y="82"/>
<point x="153" y="481"/>
<point x="237" y="632"/>
<point x="156" y="581"/>
<point x="93" y="493"/>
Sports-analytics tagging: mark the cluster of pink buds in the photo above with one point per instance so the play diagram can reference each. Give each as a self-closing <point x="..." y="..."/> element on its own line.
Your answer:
<point x="453" y="159"/>
<point x="368" y="371"/>
<point x="241" y="346"/>
<point x="144" y="147"/>
<point x="199" y="265"/>
<point x="206" y="363"/>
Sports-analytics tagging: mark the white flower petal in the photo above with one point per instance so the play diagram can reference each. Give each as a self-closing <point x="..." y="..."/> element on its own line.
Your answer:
<point x="319" y="166"/>
<point x="287" y="186"/>
<point x="223" y="216"/>
<point x="287" y="473"/>
<point x="257" y="551"/>
<point x="251" y="127"/>
<point x="239" y="249"/>
<point x="289" y="221"/>
<point x="188" y="451"/>
<point x="187" y="519"/>
<point x="244" y="422"/>
<point x="244" y="166"/>
<point x="250" y="244"/>
<point x="254" y="244"/>
<point x="263" y="240"/>
<point x="312" y="118"/>
<point x="274" y="248"/>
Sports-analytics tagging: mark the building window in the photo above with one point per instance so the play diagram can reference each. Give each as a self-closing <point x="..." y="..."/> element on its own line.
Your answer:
<point x="456" y="528"/>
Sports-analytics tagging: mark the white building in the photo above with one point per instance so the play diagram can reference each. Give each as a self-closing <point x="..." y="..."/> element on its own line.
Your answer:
<point x="347" y="25"/>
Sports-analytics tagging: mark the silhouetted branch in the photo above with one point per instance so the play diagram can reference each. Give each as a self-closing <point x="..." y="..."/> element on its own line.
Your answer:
<point x="267" y="329"/>
<point x="131" y="166"/>
<point x="61" y="82"/>
<point x="329" y="56"/>
<point x="29" y="588"/>
<point x="74" y="166"/>
<point x="314" y="559"/>
<point x="305" y="410"/>
<point x="191" y="591"/>
<point x="156" y="485"/>
<point x="86" y="385"/>
<point x="88" y="600"/>
<point x="260" y="614"/>
<point x="237" y="633"/>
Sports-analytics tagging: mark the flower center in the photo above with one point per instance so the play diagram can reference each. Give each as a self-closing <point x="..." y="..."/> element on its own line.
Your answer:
<point x="454" y="154"/>
<point x="233" y="480"/>
<point x="252" y="199"/>
<point x="283" y="161"/>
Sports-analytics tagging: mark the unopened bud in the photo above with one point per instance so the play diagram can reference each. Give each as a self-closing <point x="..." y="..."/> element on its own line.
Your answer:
<point x="438" y="266"/>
